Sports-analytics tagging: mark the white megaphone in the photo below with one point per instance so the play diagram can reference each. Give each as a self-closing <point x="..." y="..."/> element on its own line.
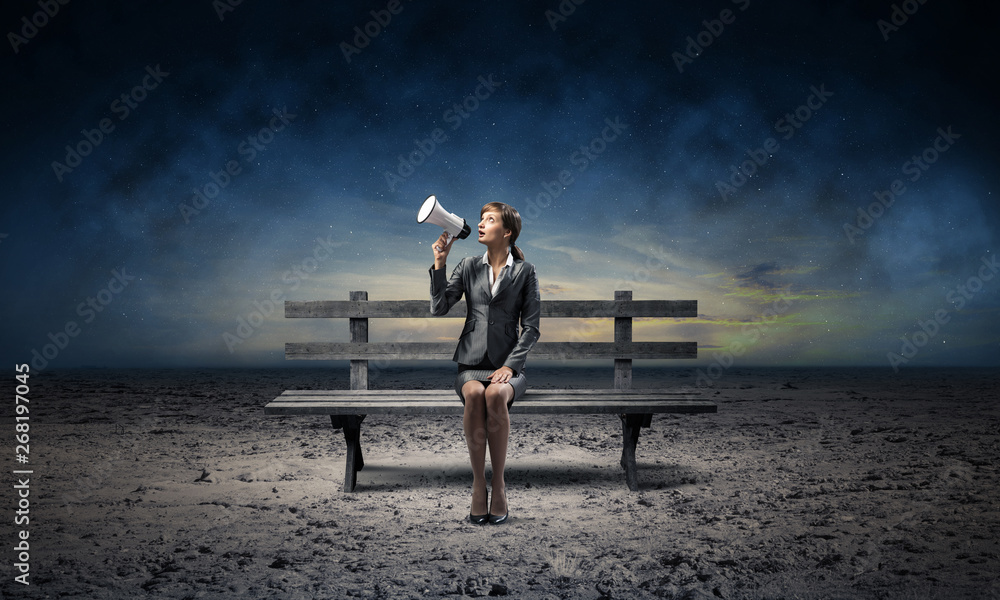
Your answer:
<point x="431" y="211"/>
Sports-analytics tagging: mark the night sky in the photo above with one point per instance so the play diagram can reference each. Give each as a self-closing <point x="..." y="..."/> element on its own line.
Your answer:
<point x="821" y="177"/>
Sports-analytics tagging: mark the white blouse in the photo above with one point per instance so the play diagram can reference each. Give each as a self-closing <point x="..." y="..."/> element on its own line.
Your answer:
<point x="495" y="284"/>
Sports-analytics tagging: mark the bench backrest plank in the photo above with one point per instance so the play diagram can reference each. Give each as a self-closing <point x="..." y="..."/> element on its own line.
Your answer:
<point x="415" y="309"/>
<point x="359" y="350"/>
<point x="445" y="350"/>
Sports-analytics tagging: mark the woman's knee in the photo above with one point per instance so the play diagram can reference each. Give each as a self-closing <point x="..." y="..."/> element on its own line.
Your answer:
<point x="497" y="397"/>
<point x="473" y="389"/>
<point x="474" y="394"/>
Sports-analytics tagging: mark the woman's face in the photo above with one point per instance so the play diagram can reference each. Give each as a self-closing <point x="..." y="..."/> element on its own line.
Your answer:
<point x="491" y="230"/>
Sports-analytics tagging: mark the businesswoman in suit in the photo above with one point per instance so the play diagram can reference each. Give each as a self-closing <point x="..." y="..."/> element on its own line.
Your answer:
<point x="501" y="291"/>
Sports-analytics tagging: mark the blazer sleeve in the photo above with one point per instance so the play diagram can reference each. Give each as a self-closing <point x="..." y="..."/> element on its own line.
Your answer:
<point x="531" y="311"/>
<point x="444" y="294"/>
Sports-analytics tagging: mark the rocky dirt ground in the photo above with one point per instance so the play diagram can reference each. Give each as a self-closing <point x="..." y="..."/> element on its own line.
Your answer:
<point x="805" y="484"/>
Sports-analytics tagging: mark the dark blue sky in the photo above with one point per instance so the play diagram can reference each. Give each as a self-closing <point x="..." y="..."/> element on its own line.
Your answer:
<point x="171" y="169"/>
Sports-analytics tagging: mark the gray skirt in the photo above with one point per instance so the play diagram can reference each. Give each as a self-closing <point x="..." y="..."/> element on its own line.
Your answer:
<point x="481" y="372"/>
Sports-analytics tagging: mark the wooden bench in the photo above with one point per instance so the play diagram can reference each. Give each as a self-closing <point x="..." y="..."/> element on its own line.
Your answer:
<point x="348" y="408"/>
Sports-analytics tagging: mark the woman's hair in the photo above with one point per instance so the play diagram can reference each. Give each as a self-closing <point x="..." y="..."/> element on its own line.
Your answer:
<point x="511" y="220"/>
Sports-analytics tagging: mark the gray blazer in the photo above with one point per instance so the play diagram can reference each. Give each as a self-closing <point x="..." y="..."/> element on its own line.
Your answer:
<point x="491" y="323"/>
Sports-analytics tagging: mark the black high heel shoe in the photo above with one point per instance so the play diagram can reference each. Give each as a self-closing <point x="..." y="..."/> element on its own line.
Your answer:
<point x="498" y="519"/>
<point x="480" y="519"/>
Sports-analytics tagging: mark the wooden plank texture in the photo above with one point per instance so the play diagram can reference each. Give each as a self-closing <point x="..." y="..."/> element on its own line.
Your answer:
<point x="374" y="395"/>
<point x="332" y="309"/>
<point x="445" y="350"/>
<point x="445" y="402"/>
<point x="454" y="407"/>
<point x="623" y="336"/>
<point x="359" y="334"/>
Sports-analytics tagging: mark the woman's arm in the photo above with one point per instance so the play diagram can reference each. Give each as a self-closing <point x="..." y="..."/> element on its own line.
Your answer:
<point x="531" y="311"/>
<point x="441" y="250"/>
<point x="444" y="294"/>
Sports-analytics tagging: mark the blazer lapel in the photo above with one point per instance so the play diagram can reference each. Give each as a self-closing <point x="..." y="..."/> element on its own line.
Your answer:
<point x="481" y="280"/>
<point x="514" y="271"/>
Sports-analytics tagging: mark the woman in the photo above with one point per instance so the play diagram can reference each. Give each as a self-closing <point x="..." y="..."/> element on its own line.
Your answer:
<point x="500" y="289"/>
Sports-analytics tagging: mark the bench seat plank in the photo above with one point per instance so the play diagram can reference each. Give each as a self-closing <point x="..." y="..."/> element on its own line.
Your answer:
<point x="446" y="402"/>
<point x="373" y="395"/>
<point x="454" y="408"/>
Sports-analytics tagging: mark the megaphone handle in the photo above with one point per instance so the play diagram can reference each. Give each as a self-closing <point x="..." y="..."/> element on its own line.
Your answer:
<point x="447" y="240"/>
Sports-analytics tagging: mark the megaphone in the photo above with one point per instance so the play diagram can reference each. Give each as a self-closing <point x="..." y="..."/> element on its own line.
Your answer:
<point x="431" y="211"/>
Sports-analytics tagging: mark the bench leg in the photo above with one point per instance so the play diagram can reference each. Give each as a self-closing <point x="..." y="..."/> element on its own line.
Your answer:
<point x="630" y="437"/>
<point x="351" y="424"/>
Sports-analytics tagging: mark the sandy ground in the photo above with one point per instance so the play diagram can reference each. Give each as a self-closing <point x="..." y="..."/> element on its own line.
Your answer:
<point x="805" y="484"/>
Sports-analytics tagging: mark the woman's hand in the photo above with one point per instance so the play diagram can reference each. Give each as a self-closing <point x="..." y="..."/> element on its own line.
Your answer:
<point x="502" y="375"/>
<point x="441" y="250"/>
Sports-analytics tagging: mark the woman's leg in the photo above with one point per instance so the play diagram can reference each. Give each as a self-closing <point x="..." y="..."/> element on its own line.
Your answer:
<point x="498" y="433"/>
<point x="474" y="421"/>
